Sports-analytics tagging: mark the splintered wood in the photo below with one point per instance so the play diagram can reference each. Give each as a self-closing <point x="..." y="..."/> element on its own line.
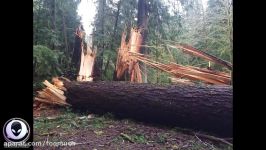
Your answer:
<point x="188" y="72"/>
<point x="193" y="51"/>
<point x="88" y="55"/>
<point x="86" y="64"/>
<point x="124" y="61"/>
<point x="129" y="56"/>
<point x="53" y="93"/>
<point x="182" y="81"/>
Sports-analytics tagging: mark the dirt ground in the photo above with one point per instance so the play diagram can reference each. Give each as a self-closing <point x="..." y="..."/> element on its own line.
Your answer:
<point x="94" y="132"/>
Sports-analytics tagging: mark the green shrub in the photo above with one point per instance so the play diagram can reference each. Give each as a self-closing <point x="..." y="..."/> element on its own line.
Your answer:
<point x="45" y="63"/>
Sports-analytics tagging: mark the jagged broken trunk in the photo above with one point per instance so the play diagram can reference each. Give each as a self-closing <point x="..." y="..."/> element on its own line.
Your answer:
<point x="83" y="56"/>
<point x="206" y="108"/>
<point x="124" y="62"/>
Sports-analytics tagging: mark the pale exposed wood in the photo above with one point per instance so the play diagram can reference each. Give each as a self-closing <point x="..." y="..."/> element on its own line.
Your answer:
<point x="55" y="93"/>
<point x="193" y="51"/>
<point x="49" y="95"/>
<point x="189" y="72"/>
<point x="182" y="81"/>
<point x="124" y="62"/>
<point x="42" y="94"/>
<point x="48" y="98"/>
<point x="51" y="102"/>
<point x="227" y="75"/>
<point x="122" y="57"/>
<point x="128" y="55"/>
<point x="197" y="72"/>
<point x="59" y="84"/>
<point x="87" y="63"/>
<point x="53" y="87"/>
<point x="80" y="74"/>
<point x="52" y="94"/>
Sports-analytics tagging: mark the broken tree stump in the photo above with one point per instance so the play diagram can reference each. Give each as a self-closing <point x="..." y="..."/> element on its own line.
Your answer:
<point x="124" y="62"/>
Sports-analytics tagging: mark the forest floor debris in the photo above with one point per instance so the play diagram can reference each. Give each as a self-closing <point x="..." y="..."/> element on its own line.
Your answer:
<point x="108" y="132"/>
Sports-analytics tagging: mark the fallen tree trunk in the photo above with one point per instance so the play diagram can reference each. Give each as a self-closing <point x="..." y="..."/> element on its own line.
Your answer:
<point x="206" y="108"/>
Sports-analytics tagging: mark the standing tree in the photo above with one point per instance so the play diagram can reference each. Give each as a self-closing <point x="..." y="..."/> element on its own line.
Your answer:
<point x="142" y="26"/>
<point x="113" y="39"/>
<point x="54" y="22"/>
<point x="101" y="45"/>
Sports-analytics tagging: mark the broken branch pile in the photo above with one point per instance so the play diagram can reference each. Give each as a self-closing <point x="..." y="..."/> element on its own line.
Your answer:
<point x="52" y="94"/>
<point x="189" y="72"/>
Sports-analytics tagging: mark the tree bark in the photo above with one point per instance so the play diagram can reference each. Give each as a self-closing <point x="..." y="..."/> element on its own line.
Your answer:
<point x="65" y="33"/>
<point x="142" y="25"/>
<point x="114" y="37"/>
<point x="76" y="56"/>
<point x="53" y="3"/>
<point x="206" y="108"/>
<point x="98" y="67"/>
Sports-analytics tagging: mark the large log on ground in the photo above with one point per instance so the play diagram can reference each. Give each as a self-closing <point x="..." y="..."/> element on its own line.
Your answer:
<point x="204" y="108"/>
